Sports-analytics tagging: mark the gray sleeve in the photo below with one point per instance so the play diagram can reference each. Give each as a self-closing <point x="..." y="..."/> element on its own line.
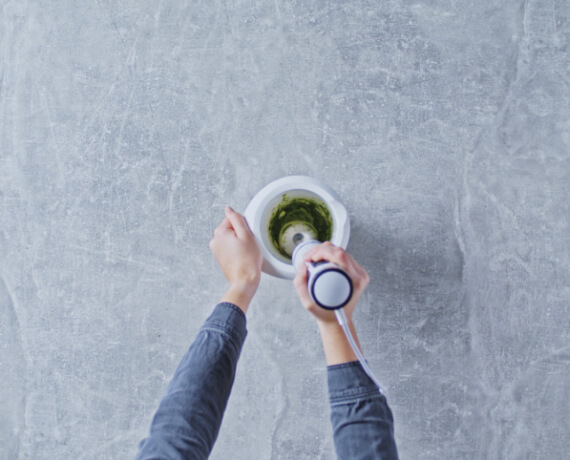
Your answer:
<point x="362" y="422"/>
<point x="188" y="418"/>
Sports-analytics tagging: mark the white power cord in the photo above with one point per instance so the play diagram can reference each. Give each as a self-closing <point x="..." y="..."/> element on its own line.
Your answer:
<point x="342" y="320"/>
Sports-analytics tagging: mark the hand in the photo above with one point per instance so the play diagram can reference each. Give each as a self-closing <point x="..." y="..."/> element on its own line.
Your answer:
<point x="239" y="257"/>
<point x="334" y="254"/>
<point x="336" y="346"/>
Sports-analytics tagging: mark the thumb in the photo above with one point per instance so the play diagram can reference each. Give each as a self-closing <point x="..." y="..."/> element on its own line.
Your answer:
<point x="238" y="222"/>
<point x="300" y="283"/>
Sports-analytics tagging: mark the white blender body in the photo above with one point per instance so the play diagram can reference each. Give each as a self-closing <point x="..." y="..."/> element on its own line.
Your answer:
<point x="263" y="204"/>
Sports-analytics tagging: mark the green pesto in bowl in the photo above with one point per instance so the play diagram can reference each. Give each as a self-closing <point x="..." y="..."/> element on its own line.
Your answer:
<point x="309" y="211"/>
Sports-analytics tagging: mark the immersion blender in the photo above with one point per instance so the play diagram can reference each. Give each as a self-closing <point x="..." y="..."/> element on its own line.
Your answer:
<point x="331" y="288"/>
<point x="303" y="206"/>
<point x="328" y="284"/>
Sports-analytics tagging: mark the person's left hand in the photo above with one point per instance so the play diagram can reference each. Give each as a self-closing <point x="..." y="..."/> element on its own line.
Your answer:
<point x="238" y="255"/>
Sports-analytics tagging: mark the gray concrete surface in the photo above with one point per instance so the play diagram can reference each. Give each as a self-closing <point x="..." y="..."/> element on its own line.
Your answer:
<point x="126" y="127"/>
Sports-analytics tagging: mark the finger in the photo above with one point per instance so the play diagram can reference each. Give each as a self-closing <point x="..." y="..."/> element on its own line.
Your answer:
<point x="238" y="223"/>
<point x="308" y="257"/>
<point x="328" y="252"/>
<point x="224" y="226"/>
<point x="300" y="283"/>
<point x="337" y="256"/>
<point x="360" y="270"/>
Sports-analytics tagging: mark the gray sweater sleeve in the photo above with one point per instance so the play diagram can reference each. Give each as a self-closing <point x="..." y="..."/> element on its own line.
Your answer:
<point x="188" y="418"/>
<point x="362" y="422"/>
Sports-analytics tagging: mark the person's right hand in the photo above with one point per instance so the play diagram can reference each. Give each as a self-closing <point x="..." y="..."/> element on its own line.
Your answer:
<point x="328" y="251"/>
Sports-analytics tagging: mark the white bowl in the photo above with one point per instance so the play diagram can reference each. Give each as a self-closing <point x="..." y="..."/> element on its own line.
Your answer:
<point x="259" y="210"/>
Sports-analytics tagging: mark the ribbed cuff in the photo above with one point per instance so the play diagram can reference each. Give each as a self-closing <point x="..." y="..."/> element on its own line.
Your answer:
<point x="348" y="382"/>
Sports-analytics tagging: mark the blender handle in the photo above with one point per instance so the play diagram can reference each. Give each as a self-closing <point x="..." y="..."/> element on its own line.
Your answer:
<point x="331" y="288"/>
<point x="328" y="284"/>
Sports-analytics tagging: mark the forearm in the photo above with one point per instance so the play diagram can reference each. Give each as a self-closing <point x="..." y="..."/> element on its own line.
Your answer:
<point x="335" y="344"/>
<point x="240" y="294"/>
<point x="188" y="419"/>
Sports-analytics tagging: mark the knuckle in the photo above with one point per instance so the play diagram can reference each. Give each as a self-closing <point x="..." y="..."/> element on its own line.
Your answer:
<point x="312" y="308"/>
<point x="309" y="255"/>
<point x="341" y="255"/>
<point x="363" y="280"/>
<point x="300" y="283"/>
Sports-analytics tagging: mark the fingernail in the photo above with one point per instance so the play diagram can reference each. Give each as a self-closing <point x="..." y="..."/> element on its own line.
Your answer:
<point x="228" y="209"/>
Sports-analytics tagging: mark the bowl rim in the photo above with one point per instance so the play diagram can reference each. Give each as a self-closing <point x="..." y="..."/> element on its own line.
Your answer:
<point x="257" y="208"/>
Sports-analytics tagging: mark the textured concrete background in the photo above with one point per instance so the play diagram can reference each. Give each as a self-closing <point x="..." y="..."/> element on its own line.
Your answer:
<point x="126" y="127"/>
